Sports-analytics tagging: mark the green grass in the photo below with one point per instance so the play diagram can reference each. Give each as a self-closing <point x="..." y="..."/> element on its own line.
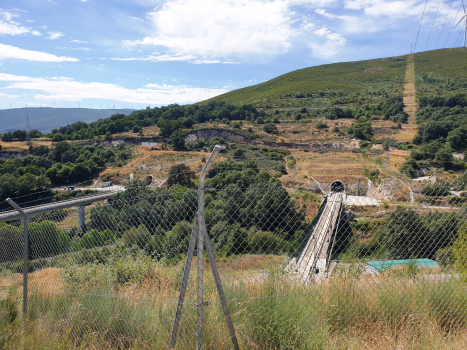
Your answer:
<point x="348" y="78"/>
<point x="390" y="311"/>
<point x="441" y="71"/>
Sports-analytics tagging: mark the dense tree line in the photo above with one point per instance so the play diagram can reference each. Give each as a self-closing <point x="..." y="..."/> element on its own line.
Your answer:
<point x="446" y="124"/>
<point x="406" y="234"/>
<point x="442" y="130"/>
<point x="169" y="119"/>
<point x="390" y="109"/>
<point x="64" y="163"/>
<point x="20" y="135"/>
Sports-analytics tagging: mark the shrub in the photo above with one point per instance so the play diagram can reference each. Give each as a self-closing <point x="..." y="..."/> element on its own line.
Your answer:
<point x="270" y="128"/>
<point x="239" y="152"/>
<point x="264" y="241"/>
<point x="437" y="189"/>
<point x="180" y="174"/>
<point x="321" y="125"/>
<point x="136" y="129"/>
<point x="137" y="236"/>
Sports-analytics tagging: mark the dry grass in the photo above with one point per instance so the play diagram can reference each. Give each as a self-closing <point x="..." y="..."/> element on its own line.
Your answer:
<point x="153" y="160"/>
<point x="271" y="311"/>
<point x="409" y="130"/>
<point x="327" y="167"/>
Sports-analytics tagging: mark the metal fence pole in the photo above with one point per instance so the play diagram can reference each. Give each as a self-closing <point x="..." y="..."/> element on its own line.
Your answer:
<point x="201" y="230"/>
<point x="186" y="273"/>
<point x="25" y="255"/>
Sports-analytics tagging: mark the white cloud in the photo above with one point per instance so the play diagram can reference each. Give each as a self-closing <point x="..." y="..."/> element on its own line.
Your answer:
<point x="8" y="96"/>
<point x="138" y="19"/>
<point x="12" y="29"/>
<point x="78" y="41"/>
<point x="74" y="48"/>
<point x="396" y="9"/>
<point x="329" y="44"/>
<point x="216" y="28"/>
<point x="54" y="35"/>
<point x="35" y="32"/>
<point x="8" y="51"/>
<point x="354" y="24"/>
<point x="67" y="89"/>
<point x="156" y="57"/>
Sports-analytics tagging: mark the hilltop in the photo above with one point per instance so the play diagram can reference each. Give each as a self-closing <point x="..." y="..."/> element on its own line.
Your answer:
<point x="363" y="78"/>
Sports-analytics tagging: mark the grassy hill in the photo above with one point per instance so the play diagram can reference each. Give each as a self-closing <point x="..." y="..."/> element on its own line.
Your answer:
<point x="377" y="75"/>
<point x="441" y="72"/>
<point x="46" y="119"/>
<point x="437" y="71"/>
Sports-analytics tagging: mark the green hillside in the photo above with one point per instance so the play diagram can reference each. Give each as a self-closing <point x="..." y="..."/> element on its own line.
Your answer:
<point x="377" y="75"/>
<point x="441" y="72"/>
<point x="437" y="71"/>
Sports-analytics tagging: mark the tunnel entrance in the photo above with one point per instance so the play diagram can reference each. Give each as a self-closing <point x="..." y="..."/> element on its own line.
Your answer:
<point x="337" y="186"/>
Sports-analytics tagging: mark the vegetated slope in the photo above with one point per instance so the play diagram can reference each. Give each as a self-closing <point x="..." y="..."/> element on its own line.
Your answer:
<point x="441" y="71"/>
<point x="46" y="119"/>
<point x="441" y="84"/>
<point x="387" y="73"/>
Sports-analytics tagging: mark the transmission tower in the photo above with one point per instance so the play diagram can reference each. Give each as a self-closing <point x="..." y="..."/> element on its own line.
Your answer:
<point x="28" y="136"/>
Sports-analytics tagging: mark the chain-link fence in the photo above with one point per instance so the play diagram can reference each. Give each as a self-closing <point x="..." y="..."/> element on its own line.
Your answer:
<point x="245" y="259"/>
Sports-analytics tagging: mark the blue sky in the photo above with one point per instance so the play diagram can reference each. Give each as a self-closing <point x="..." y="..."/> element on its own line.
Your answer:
<point x="134" y="53"/>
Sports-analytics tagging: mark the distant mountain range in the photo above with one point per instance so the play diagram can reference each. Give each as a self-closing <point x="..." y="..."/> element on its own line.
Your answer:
<point x="46" y="119"/>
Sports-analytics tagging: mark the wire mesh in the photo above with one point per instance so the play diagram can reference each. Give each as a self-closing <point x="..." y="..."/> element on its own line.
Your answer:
<point x="307" y="264"/>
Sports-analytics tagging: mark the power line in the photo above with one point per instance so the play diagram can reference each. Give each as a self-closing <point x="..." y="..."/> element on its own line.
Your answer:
<point x="460" y="32"/>
<point x="434" y="19"/>
<point x="423" y="14"/>
<point x="453" y="25"/>
<point x="445" y="20"/>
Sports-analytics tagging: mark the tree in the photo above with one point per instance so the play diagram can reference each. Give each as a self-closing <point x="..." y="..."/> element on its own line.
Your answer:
<point x="57" y="137"/>
<point x="80" y="172"/>
<point x="35" y="134"/>
<point x="26" y="183"/>
<point x="178" y="139"/>
<point x="457" y="138"/>
<point x="8" y="136"/>
<point x="137" y="236"/>
<point x="136" y="129"/>
<point x="270" y="128"/>
<point x="180" y="174"/>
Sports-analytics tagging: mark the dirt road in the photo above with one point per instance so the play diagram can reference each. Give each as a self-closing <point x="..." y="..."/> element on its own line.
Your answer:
<point x="410" y="129"/>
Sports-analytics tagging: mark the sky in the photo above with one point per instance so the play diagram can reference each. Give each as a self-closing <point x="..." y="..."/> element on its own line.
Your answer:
<point x="135" y="53"/>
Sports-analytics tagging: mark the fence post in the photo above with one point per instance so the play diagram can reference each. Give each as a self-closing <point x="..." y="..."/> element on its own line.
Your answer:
<point x="201" y="230"/>
<point x="200" y="234"/>
<point x="25" y="255"/>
